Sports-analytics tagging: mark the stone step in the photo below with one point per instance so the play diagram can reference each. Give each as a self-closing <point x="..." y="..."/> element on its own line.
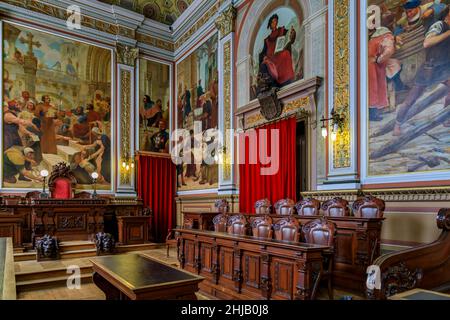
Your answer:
<point x="35" y="284"/>
<point x="49" y="274"/>
<point x="80" y="249"/>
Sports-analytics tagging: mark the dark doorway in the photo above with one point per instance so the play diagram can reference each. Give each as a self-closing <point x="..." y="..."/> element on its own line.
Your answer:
<point x="302" y="157"/>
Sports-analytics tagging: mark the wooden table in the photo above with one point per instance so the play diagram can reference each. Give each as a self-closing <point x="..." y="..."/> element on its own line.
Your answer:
<point x="137" y="277"/>
<point x="420" y="294"/>
<point x="7" y="275"/>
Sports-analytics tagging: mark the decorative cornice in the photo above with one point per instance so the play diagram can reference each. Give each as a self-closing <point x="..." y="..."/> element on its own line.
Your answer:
<point x="226" y="21"/>
<point x="198" y="24"/>
<point x="127" y="55"/>
<point x="392" y="195"/>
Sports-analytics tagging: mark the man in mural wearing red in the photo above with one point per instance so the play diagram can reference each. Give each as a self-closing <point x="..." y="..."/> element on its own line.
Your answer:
<point x="276" y="60"/>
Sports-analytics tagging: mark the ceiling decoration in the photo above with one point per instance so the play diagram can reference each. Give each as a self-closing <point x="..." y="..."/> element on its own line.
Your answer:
<point x="165" y="11"/>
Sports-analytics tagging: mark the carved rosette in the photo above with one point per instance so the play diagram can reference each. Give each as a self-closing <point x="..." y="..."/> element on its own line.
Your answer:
<point x="341" y="99"/>
<point x="127" y="55"/>
<point x="225" y="23"/>
<point x="125" y="79"/>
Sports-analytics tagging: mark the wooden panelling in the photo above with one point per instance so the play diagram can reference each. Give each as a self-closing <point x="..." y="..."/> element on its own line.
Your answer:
<point x="252" y="268"/>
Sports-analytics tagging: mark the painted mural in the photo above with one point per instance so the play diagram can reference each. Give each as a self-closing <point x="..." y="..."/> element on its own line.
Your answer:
<point x="278" y="50"/>
<point x="408" y="87"/>
<point x="56" y="108"/>
<point x="154" y="106"/>
<point x="197" y="111"/>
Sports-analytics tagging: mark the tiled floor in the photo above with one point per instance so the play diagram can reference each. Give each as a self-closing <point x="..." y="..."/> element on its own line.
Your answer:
<point x="91" y="292"/>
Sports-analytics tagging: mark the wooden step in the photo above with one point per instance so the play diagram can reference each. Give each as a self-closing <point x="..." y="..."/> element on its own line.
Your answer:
<point x="25" y="256"/>
<point x="76" y="245"/>
<point x="49" y="274"/>
<point x="35" y="284"/>
<point x="139" y="247"/>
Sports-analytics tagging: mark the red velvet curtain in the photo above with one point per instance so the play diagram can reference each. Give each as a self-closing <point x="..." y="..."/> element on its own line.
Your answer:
<point x="253" y="185"/>
<point x="156" y="186"/>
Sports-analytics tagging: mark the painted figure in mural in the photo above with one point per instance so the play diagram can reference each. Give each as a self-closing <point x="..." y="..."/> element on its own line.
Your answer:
<point x="191" y="168"/>
<point x="46" y="113"/>
<point x="179" y="167"/>
<point x="418" y="14"/>
<point x="152" y="111"/>
<point x="200" y="92"/>
<point x="186" y="98"/>
<point x="435" y="70"/>
<point x="159" y="141"/>
<point x="275" y="58"/>
<point x="209" y="172"/>
<point x="19" y="160"/>
<point x="381" y="48"/>
<point x="92" y="115"/>
<point x="102" y="154"/>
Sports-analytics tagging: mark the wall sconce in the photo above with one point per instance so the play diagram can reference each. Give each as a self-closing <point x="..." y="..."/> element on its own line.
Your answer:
<point x="94" y="176"/>
<point x="127" y="163"/>
<point x="336" y="123"/>
<point x="44" y="174"/>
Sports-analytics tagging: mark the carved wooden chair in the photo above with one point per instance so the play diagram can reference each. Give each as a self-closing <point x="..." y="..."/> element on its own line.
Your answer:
<point x="263" y="206"/>
<point x="336" y="207"/>
<point x="308" y="207"/>
<point x="62" y="182"/>
<point x="171" y="240"/>
<point x="368" y="207"/>
<point x="33" y="195"/>
<point x="287" y="229"/>
<point x="220" y="222"/>
<point x="284" y="207"/>
<point x="83" y="195"/>
<point x="322" y="232"/>
<point x="222" y="205"/>
<point x="262" y="227"/>
<point x="237" y="225"/>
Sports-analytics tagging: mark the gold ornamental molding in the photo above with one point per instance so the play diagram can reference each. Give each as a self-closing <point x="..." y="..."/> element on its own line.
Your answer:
<point x="125" y="120"/>
<point x="391" y="195"/>
<point x="226" y="21"/>
<point x="155" y="42"/>
<point x="341" y="72"/>
<point x="197" y="25"/>
<point x="61" y="13"/>
<point x="127" y="55"/>
<point x="226" y="174"/>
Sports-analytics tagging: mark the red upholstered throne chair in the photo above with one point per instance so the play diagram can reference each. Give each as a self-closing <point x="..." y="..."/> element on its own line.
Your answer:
<point x="62" y="182"/>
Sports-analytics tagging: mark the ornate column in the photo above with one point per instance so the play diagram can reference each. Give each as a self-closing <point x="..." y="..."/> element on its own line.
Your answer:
<point x="225" y="23"/>
<point x="126" y="61"/>
<point x="342" y="153"/>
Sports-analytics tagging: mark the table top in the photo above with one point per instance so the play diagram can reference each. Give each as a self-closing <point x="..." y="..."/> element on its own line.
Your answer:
<point x="420" y="294"/>
<point x="223" y="235"/>
<point x="138" y="272"/>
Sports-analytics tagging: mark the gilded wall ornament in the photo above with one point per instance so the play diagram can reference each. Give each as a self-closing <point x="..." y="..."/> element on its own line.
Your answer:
<point x="226" y="21"/>
<point x="127" y="55"/>
<point x="227" y="109"/>
<point x="341" y="147"/>
<point x="125" y="120"/>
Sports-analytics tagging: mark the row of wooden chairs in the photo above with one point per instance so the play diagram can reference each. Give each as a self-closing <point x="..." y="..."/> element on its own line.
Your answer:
<point x="319" y="231"/>
<point x="364" y="207"/>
